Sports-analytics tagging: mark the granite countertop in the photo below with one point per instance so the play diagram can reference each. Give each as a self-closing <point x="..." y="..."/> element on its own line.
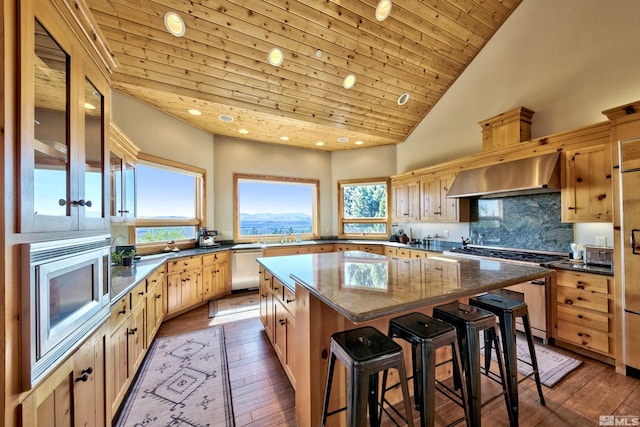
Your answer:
<point x="581" y="267"/>
<point x="123" y="279"/>
<point x="363" y="286"/>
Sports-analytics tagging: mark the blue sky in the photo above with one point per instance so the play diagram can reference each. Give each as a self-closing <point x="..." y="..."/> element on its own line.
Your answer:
<point x="263" y="197"/>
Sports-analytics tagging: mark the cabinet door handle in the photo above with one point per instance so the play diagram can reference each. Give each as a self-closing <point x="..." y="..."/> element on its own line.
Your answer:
<point x="124" y="311"/>
<point x="84" y="377"/>
<point x="282" y="322"/>
<point x="140" y="293"/>
<point x="158" y="296"/>
<point x="568" y="301"/>
<point x="276" y="288"/>
<point x="263" y="295"/>
<point x="62" y="202"/>
<point x="289" y="300"/>
<point x="132" y="331"/>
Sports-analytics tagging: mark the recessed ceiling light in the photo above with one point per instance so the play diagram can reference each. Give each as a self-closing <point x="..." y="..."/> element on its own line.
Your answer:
<point x="225" y="118"/>
<point x="89" y="106"/>
<point x="318" y="53"/>
<point x="319" y="143"/>
<point x="174" y="24"/>
<point x="275" y="57"/>
<point x="383" y="10"/>
<point x="343" y="139"/>
<point x="284" y="138"/>
<point x="195" y="112"/>
<point x="349" y="81"/>
<point x="403" y="99"/>
<point x="359" y="142"/>
<point x="243" y="131"/>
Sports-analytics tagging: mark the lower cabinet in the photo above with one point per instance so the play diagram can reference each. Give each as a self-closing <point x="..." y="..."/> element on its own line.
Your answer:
<point x="278" y="315"/>
<point x="155" y="303"/>
<point x="584" y="311"/>
<point x="216" y="277"/>
<point x="74" y="393"/>
<point x="184" y="283"/>
<point x="128" y="343"/>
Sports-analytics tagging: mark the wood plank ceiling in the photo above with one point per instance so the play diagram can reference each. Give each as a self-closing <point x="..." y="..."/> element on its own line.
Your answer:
<point x="220" y="65"/>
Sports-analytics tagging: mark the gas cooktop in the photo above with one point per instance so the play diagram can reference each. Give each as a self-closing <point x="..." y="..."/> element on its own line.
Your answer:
<point x="508" y="254"/>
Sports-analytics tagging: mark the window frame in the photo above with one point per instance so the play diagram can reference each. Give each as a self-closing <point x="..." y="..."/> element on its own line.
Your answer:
<point x="200" y="205"/>
<point x="342" y="220"/>
<point x="315" y="216"/>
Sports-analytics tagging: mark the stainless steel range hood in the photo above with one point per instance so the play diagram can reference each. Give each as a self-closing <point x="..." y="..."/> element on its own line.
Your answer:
<point x="540" y="174"/>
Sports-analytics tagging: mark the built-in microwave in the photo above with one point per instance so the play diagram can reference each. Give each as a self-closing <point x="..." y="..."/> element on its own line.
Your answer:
<point x="65" y="296"/>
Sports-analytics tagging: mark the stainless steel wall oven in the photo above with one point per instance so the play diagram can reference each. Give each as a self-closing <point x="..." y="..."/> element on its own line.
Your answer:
<point x="65" y="296"/>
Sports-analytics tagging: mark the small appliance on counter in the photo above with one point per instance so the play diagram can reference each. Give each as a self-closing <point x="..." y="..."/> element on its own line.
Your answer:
<point x="207" y="238"/>
<point x="598" y="255"/>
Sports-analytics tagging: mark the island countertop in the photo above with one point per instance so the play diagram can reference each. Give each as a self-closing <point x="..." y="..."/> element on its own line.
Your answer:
<point x="362" y="286"/>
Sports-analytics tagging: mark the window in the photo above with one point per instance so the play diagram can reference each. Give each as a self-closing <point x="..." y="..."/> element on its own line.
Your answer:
<point x="363" y="208"/>
<point x="275" y="207"/>
<point x="169" y="202"/>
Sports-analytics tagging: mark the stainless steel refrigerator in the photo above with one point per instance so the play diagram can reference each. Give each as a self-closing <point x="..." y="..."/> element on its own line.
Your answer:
<point x="629" y="151"/>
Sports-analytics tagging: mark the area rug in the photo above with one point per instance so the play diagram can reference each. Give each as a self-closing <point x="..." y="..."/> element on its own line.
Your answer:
<point x="231" y="305"/>
<point x="552" y="366"/>
<point x="184" y="381"/>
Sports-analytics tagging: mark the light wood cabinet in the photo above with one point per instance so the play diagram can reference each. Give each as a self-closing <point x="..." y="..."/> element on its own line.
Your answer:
<point x="74" y="393"/>
<point x="405" y="201"/>
<point x="184" y="284"/>
<point x="155" y="303"/>
<point x="64" y="112"/>
<point x="587" y="190"/>
<point x="128" y="343"/>
<point x="278" y="313"/>
<point x="216" y="276"/>
<point x="583" y="312"/>
<point x="286" y="250"/>
<point x="318" y="249"/>
<point x="435" y="205"/>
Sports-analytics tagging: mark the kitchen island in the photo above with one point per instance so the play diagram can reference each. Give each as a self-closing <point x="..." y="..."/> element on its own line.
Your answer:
<point x="341" y="290"/>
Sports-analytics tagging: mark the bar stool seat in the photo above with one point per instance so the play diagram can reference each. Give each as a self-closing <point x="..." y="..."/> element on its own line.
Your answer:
<point x="426" y="335"/>
<point x="508" y="310"/>
<point x="365" y="352"/>
<point x="469" y="321"/>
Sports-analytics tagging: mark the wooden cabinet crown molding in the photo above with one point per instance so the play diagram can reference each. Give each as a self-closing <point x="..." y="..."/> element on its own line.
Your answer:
<point x="78" y="17"/>
<point x="121" y="142"/>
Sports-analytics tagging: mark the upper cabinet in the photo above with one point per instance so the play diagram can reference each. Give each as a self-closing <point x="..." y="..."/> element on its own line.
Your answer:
<point x="64" y="109"/>
<point x="435" y="205"/>
<point x="405" y="201"/>
<point x="122" y="176"/>
<point x="587" y="190"/>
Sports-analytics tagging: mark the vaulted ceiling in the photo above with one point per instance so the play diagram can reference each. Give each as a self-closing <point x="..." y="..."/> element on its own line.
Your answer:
<point x="220" y="67"/>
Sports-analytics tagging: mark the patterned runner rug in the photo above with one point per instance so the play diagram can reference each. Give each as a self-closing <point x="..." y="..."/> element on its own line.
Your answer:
<point x="236" y="304"/>
<point x="184" y="381"/>
<point x="553" y="366"/>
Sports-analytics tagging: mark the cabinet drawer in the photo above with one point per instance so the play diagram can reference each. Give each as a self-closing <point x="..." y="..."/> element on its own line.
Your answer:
<point x="184" y="264"/>
<point x="590" y="319"/>
<point x="138" y="294"/>
<point x="390" y="251"/>
<point x="418" y="254"/>
<point x="290" y="300"/>
<point x="587" y="282"/>
<point x="584" y="337"/>
<point x="119" y="312"/>
<point x="403" y="253"/>
<point x="583" y="299"/>
<point x="278" y="289"/>
<point x="215" y="258"/>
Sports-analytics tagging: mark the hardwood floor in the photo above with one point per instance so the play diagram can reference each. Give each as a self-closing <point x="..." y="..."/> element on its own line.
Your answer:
<point x="262" y="395"/>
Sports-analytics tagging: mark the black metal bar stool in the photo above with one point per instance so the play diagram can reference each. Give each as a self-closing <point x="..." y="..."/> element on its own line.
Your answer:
<point x="469" y="321"/>
<point x="508" y="310"/>
<point x="365" y="352"/>
<point x="426" y="335"/>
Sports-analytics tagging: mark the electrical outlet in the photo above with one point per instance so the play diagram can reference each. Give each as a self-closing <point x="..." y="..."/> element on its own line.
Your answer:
<point x="601" y="241"/>
<point x="445" y="233"/>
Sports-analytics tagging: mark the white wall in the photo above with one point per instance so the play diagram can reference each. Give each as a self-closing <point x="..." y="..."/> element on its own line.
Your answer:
<point x="567" y="60"/>
<point x="165" y="136"/>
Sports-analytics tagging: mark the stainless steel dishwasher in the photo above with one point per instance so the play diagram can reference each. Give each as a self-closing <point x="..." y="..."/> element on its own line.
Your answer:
<point x="244" y="273"/>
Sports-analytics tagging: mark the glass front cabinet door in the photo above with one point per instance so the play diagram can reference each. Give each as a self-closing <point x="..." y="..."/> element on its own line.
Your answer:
<point x="63" y="145"/>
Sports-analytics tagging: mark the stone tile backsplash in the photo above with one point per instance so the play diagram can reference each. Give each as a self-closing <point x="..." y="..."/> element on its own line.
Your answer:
<point x="521" y="222"/>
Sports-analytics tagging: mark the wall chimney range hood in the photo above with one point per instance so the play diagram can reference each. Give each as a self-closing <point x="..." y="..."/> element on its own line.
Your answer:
<point x="533" y="175"/>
